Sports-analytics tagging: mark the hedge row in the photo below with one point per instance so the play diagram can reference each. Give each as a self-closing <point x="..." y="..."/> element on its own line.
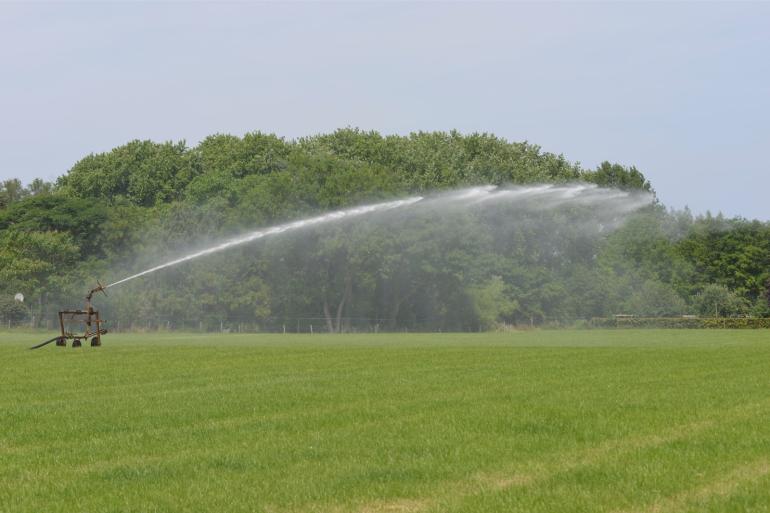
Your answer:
<point x="682" y="322"/>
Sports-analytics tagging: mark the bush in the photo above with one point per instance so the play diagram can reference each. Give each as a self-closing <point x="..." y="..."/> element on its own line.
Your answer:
<point x="656" y="299"/>
<point x="760" y="308"/>
<point x="719" y="300"/>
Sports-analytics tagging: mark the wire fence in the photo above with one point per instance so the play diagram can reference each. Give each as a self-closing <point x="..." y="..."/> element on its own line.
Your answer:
<point x="315" y="324"/>
<point x="304" y="324"/>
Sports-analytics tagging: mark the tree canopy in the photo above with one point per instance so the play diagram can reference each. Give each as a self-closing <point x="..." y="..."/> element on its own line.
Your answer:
<point x="130" y="208"/>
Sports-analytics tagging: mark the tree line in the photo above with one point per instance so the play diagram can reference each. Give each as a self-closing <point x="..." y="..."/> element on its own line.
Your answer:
<point x="127" y="209"/>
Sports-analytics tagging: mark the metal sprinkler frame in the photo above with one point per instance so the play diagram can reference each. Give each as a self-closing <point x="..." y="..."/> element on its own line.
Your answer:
<point x="89" y="317"/>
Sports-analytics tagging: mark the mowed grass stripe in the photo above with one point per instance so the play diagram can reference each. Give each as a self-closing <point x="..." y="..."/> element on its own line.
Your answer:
<point x="724" y="486"/>
<point x="532" y="473"/>
<point x="343" y="423"/>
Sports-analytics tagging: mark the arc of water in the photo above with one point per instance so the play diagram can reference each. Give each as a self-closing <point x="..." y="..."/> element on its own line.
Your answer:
<point x="546" y="196"/>
<point x="295" y="225"/>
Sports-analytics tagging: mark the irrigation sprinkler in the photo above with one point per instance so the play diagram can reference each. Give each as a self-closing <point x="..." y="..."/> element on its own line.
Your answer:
<point x="88" y="318"/>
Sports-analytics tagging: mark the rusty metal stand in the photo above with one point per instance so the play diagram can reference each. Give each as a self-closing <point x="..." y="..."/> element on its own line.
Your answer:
<point x="89" y="317"/>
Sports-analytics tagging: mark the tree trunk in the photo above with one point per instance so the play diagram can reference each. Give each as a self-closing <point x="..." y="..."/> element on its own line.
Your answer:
<point x="328" y="316"/>
<point x="345" y="298"/>
<point x="394" y="311"/>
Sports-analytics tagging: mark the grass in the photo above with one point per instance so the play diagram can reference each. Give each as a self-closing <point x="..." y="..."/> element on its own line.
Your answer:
<point x="543" y="421"/>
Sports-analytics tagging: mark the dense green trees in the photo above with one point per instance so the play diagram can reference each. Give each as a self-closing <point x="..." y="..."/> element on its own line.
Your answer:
<point x="144" y="202"/>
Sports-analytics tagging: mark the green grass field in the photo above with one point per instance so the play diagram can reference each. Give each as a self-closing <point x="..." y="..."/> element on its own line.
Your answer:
<point x="542" y="421"/>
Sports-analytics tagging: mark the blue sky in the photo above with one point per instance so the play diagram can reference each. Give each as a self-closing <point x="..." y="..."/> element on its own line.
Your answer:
<point x="682" y="90"/>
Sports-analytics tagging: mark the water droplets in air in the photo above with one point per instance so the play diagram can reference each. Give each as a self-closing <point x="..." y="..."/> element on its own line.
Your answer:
<point x="531" y="197"/>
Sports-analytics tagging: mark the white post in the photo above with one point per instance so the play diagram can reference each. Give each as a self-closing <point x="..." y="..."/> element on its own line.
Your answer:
<point x="311" y="329"/>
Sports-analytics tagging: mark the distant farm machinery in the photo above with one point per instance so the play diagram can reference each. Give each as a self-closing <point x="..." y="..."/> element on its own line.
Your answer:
<point x="87" y="320"/>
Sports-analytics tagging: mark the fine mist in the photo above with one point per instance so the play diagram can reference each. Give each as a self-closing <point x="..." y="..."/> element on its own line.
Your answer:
<point x="460" y="259"/>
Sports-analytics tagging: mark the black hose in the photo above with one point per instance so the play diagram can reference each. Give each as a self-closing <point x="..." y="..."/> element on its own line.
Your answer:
<point x="46" y="342"/>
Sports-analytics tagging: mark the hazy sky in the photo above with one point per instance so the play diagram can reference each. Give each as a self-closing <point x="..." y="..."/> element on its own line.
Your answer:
<point x="682" y="91"/>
